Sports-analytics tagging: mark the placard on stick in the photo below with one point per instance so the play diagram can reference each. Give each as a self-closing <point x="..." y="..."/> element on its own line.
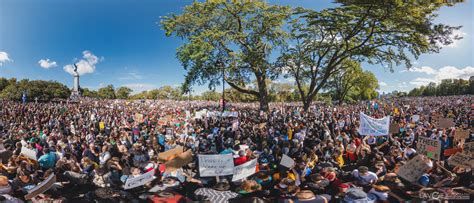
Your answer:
<point x="460" y="159"/>
<point x="42" y="187"/>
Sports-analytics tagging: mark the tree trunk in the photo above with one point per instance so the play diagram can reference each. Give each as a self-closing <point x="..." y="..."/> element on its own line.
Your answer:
<point x="263" y="94"/>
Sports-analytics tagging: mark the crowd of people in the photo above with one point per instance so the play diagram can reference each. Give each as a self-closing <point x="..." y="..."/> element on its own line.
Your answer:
<point x="93" y="147"/>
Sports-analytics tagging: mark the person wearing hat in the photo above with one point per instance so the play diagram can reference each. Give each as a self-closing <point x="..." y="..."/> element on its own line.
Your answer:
<point x="307" y="196"/>
<point x="355" y="195"/>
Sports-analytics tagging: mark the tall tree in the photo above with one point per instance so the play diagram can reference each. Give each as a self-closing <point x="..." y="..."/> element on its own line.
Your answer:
<point x="123" y="92"/>
<point x="234" y="37"/>
<point x="377" y="31"/>
<point x="107" y="92"/>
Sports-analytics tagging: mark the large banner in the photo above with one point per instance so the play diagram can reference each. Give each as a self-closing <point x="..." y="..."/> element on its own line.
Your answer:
<point x="374" y="126"/>
<point x="245" y="170"/>
<point x="429" y="147"/>
<point x="216" y="165"/>
<point x="143" y="179"/>
<point x="413" y="169"/>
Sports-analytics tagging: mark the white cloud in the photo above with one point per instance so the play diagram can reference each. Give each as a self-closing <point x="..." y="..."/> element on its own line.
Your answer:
<point x="85" y="65"/>
<point x="131" y="76"/>
<point x="139" y="87"/>
<point x="455" y="34"/>
<point x="402" y="85"/>
<point x="382" y="83"/>
<point x="46" y="63"/>
<point x="4" y="57"/>
<point x="424" y="69"/>
<point x="421" y="81"/>
<point x="446" y="72"/>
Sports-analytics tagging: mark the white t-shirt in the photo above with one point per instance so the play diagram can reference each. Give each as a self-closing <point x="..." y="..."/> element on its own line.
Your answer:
<point x="366" y="179"/>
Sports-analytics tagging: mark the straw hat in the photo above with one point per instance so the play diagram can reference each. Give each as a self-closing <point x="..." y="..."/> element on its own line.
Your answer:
<point x="305" y="195"/>
<point x="3" y="181"/>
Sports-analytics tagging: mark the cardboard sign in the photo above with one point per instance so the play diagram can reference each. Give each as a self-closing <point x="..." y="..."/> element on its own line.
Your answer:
<point x="394" y="128"/>
<point x="429" y="147"/>
<point x="133" y="182"/>
<point x="170" y="154"/>
<point x="139" y="117"/>
<point x="413" y="169"/>
<point x="42" y="187"/>
<point x="460" y="159"/>
<point x="446" y="122"/>
<point x="287" y="161"/>
<point x="216" y="165"/>
<point x="179" y="161"/>
<point x="468" y="148"/>
<point x="101" y="125"/>
<point x="461" y="134"/>
<point x="29" y="153"/>
<point x="245" y="170"/>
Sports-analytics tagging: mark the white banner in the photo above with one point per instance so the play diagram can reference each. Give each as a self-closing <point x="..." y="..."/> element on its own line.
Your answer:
<point x="143" y="179"/>
<point x="373" y="126"/>
<point x="216" y="165"/>
<point x="245" y="170"/>
<point x="31" y="154"/>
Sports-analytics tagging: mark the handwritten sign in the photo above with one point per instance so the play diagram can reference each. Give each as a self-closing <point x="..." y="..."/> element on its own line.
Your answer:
<point x="461" y="134"/>
<point x="429" y="147"/>
<point x="143" y="179"/>
<point x="394" y="128"/>
<point x="374" y="126"/>
<point x="139" y="117"/>
<point x="468" y="148"/>
<point x="179" y="161"/>
<point x="244" y="170"/>
<point x="446" y="122"/>
<point x="29" y="153"/>
<point x="460" y="159"/>
<point x="413" y="169"/>
<point x="42" y="187"/>
<point x="287" y="161"/>
<point x="216" y="165"/>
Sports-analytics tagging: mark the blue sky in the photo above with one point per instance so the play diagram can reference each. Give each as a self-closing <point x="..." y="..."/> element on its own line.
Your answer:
<point x="120" y="43"/>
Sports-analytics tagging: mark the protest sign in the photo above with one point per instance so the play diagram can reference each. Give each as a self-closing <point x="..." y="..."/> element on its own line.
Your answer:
<point x="468" y="148"/>
<point x="429" y="147"/>
<point x="374" y="126"/>
<point x="413" y="169"/>
<point x="169" y="131"/>
<point x="139" y="117"/>
<point x="133" y="182"/>
<point x="461" y="134"/>
<point x="446" y="122"/>
<point x="449" y="152"/>
<point x="244" y="170"/>
<point x="394" y="128"/>
<point x="29" y="153"/>
<point x="179" y="161"/>
<point x="42" y="187"/>
<point x="170" y="154"/>
<point x="415" y="118"/>
<point x="287" y="161"/>
<point x="101" y="125"/>
<point x="216" y="165"/>
<point x="243" y="147"/>
<point x="460" y="159"/>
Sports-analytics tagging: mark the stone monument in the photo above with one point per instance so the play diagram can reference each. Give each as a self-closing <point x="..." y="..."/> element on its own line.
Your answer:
<point x="75" y="88"/>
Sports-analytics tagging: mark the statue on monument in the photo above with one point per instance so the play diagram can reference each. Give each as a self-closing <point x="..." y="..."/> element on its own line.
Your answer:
<point x="75" y="88"/>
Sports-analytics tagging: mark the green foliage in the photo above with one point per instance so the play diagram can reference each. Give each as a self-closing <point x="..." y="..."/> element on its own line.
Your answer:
<point x="85" y="92"/>
<point x="384" y="32"/>
<point x="43" y="90"/>
<point x="445" y="88"/>
<point x="107" y="92"/>
<point x="237" y="36"/>
<point x="123" y="92"/>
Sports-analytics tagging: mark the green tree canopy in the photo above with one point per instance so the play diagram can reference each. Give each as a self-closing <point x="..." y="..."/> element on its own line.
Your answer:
<point x="107" y="92"/>
<point x="388" y="32"/>
<point x="237" y="36"/>
<point x="123" y="92"/>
